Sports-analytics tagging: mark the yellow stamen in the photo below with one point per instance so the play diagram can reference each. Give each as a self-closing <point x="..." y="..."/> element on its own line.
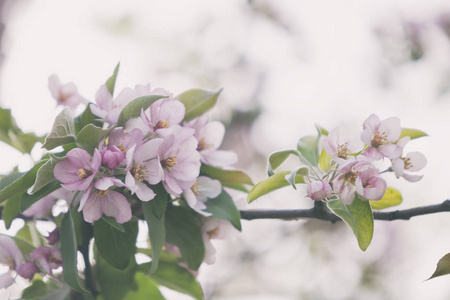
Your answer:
<point x="169" y="162"/>
<point x="351" y="177"/>
<point x="379" y="139"/>
<point x="139" y="172"/>
<point x="162" y="124"/>
<point x="83" y="173"/>
<point x="342" y="151"/>
<point x="102" y="193"/>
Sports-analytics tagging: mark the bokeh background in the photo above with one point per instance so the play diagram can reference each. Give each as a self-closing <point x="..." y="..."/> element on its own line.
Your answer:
<point x="284" y="66"/>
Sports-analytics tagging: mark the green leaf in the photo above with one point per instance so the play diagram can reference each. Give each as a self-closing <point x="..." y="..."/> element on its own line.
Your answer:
<point x="154" y="213"/>
<point x="8" y="179"/>
<point x="63" y="293"/>
<point x="308" y="146"/>
<point x="197" y="102"/>
<point x="179" y="279"/>
<point x="296" y="175"/>
<point x="391" y="197"/>
<point x="183" y="231"/>
<point x="44" y="175"/>
<point x="27" y="200"/>
<point x="90" y="136"/>
<point x="358" y="216"/>
<point x="21" y="184"/>
<point x="11" y="210"/>
<point x="87" y="117"/>
<point x="324" y="160"/>
<point x="321" y="130"/>
<point x="69" y="253"/>
<point x="63" y="130"/>
<point x="116" y="248"/>
<point x="36" y="290"/>
<point x="24" y="247"/>
<point x="112" y="221"/>
<point x="443" y="267"/>
<point x="146" y="289"/>
<point x="223" y="207"/>
<point x="271" y="184"/>
<point x="412" y="133"/>
<point x="229" y="178"/>
<point x="23" y="239"/>
<point x="134" y="108"/>
<point x="277" y="158"/>
<point x="111" y="82"/>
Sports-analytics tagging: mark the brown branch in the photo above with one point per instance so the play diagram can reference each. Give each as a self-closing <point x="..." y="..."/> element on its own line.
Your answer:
<point x="319" y="213"/>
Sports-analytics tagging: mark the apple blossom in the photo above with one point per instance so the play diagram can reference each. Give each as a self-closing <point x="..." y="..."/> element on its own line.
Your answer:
<point x="412" y="162"/>
<point x="162" y="115"/>
<point x="124" y="140"/>
<point x="340" y="143"/>
<point x="65" y="94"/>
<point x="10" y="256"/>
<point x="203" y="188"/>
<point x="48" y="258"/>
<point x="318" y="190"/>
<point x="112" y="156"/>
<point x="214" y="229"/>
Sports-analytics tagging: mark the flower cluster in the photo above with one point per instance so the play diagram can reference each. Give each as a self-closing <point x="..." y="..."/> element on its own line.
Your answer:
<point x="351" y="170"/>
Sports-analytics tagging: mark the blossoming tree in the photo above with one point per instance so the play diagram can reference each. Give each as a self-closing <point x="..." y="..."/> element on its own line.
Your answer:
<point x="146" y="156"/>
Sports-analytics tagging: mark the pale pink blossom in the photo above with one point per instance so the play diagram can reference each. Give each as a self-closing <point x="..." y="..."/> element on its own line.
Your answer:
<point x="125" y="140"/>
<point x="112" y="156"/>
<point x="78" y="171"/>
<point x="41" y="208"/>
<point x="210" y="136"/>
<point x="203" y="189"/>
<point x="370" y="186"/>
<point x="10" y="256"/>
<point x="381" y="136"/>
<point x="318" y="190"/>
<point x="412" y="162"/>
<point x="65" y="94"/>
<point x="214" y="229"/>
<point x="341" y="142"/>
<point x="48" y="258"/>
<point x="162" y="115"/>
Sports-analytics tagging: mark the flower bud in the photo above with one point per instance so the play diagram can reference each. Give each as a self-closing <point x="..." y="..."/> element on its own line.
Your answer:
<point x="318" y="190"/>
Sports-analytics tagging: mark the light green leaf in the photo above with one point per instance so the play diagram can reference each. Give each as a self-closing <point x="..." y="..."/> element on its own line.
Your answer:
<point x="27" y="200"/>
<point x="63" y="130"/>
<point x="36" y="290"/>
<point x="295" y="176"/>
<point x="391" y="197"/>
<point x="308" y="146"/>
<point x="197" y="102"/>
<point x="271" y="184"/>
<point x="230" y="178"/>
<point x="116" y="248"/>
<point x="223" y="207"/>
<point x="44" y="175"/>
<point x="134" y="108"/>
<point x="111" y="82"/>
<point x="321" y="130"/>
<point x="183" y="231"/>
<point x="90" y="136"/>
<point x="358" y="216"/>
<point x="277" y="158"/>
<point x="443" y="267"/>
<point x="324" y="160"/>
<point x="69" y="254"/>
<point x="146" y="289"/>
<point x="412" y="133"/>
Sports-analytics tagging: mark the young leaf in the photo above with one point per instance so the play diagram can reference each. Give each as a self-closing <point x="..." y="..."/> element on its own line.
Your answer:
<point x="308" y="146"/>
<point x="111" y="82"/>
<point x="146" y="289"/>
<point x="183" y="231"/>
<point x="197" y="102"/>
<point x="63" y="130"/>
<point x="277" y="158"/>
<point x="223" y="207"/>
<point x="90" y="136"/>
<point x="44" y="175"/>
<point x="154" y="213"/>
<point x="69" y="253"/>
<point x="116" y="248"/>
<point x="271" y="184"/>
<point x="358" y="216"/>
<point x="391" y="197"/>
<point x="412" y="133"/>
<point x="324" y="160"/>
<point x="134" y="108"/>
<point x="298" y="172"/>
<point x="230" y="178"/>
<point x="443" y="267"/>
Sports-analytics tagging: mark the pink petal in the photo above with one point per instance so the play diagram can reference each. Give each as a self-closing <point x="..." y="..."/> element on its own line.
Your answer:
<point x="143" y="192"/>
<point x="218" y="158"/>
<point x="418" y="161"/>
<point x="92" y="210"/>
<point x="115" y="205"/>
<point x="391" y="126"/>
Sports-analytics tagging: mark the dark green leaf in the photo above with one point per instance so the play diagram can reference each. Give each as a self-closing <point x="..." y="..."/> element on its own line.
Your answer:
<point x="271" y="184"/>
<point x="87" y="117"/>
<point x="11" y="210"/>
<point x="27" y="200"/>
<point x="443" y="267"/>
<point x="308" y="146"/>
<point x="358" y="216"/>
<point x="146" y="289"/>
<point x="223" y="207"/>
<point x="134" y="108"/>
<point x="36" y="290"/>
<point x="45" y="175"/>
<point x="183" y="231"/>
<point x="391" y="197"/>
<point x="63" y="130"/>
<point x="111" y="82"/>
<point x="229" y="178"/>
<point x="90" y="136"/>
<point x="112" y="221"/>
<point x="69" y="253"/>
<point x="8" y="179"/>
<point x="116" y="248"/>
<point x="277" y="158"/>
<point x="63" y="293"/>
<point x="197" y="102"/>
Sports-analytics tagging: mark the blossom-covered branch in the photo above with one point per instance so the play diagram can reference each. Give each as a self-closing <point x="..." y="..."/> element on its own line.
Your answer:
<point x="313" y="213"/>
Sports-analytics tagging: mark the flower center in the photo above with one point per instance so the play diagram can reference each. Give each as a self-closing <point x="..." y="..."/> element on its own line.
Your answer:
<point x="202" y="145"/>
<point x="102" y="193"/>
<point x="83" y="173"/>
<point x="162" y="124"/>
<point x="139" y="172"/>
<point x="407" y="162"/>
<point x="195" y="188"/>
<point x="169" y="162"/>
<point x="122" y="148"/>
<point x="379" y="139"/>
<point x="342" y="151"/>
<point x="351" y="177"/>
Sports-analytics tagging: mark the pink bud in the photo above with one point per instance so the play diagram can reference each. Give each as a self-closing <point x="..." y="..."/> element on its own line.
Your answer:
<point x="318" y="190"/>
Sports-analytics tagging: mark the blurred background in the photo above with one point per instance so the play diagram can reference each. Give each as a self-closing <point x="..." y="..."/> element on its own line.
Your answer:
<point x="284" y="65"/>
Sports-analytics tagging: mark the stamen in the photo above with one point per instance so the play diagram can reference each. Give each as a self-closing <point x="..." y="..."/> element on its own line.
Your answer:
<point x="407" y="162"/>
<point x="122" y="148"/>
<point x="102" y="193"/>
<point x="342" y="151"/>
<point x="139" y="172"/>
<point x="351" y="177"/>
<point x="83" y="173"/>
<point x="162" y="124"/>
<point x="169" y="162"/>
<point x="195" y="188"/>
<point x="379" y="139"/>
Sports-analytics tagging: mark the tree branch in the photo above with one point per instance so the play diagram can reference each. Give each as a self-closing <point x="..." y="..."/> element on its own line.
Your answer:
<point x="322" y="214"/>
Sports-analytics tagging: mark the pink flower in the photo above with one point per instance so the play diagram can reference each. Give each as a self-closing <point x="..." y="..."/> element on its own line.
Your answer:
<point x="125" y="140"/>
<point x="143" y="165"/>
<point x="214" y="229"/>
<point x="198" y="194"/>
<point x="78" y="171"/>
<point x="100" y="199"/>
<point x="112" y="156"/>
<point x="10" y="256"/>
<point x="48" y="258"/>
<point x="369" y="185"/>
<point x="318" y="190"/>
<point x="210" y="136"/>
<point x="27" y="269"/>
<point x="163" y="115"/>
<point x="412" y="162"/>
<point x="180" y="161"/>
<point x="41" y="208"/>
<point x="381" y="136"/>
<point x="340" y="143"/>
<point x="65" y="94"/>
